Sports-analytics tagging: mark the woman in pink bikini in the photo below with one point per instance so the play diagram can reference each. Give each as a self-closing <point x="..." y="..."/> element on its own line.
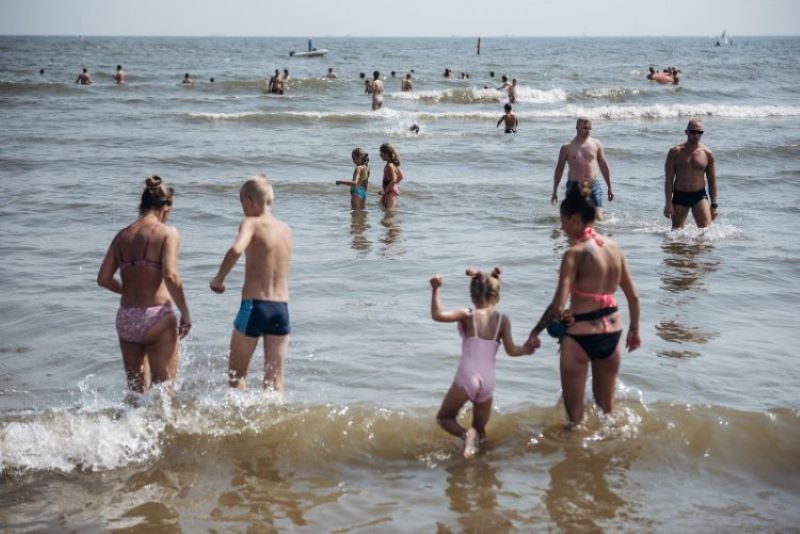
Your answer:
<point x="392" y="176"/>
<point x="592" y="269"/>
<point x="146" y="255"/>
<point x="481" y="329"/>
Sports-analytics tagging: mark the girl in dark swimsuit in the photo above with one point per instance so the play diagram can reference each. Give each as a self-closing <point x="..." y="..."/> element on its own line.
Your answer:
<point x="591" y="271"/>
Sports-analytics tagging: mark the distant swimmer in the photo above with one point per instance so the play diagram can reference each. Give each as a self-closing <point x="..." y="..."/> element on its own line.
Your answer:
<point x="275" y="85"/>
<point x="414" y="128"/>
<point x="687" y="169"/>
<point x="482" y="328"/>
<point x="121" y="76"/>
<point x="331" y="74"/>
<point x="211" y="80"/>
<point x="187" y="80"/>
<point x="512" y="91"/>
<point x="668" y="76"/>
<point x="264" y="312"/>
<point x="285" y="81"/>
<point x="84" y="78"/>
<point x="377" y="91"/>
<point x="407" y="84"/>
<point x="505" y="85"/>
<point x="583" y="154"/>
<point x="41" y="71"/>
<point x="510" y="119"/>
<point x="447" y="73"/>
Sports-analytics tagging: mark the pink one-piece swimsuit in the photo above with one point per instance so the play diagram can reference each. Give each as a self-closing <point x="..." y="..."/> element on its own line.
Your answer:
<point x="476" y="369"/>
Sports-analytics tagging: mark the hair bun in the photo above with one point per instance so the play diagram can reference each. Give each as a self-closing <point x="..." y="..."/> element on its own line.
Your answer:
<point x="496" y="272"/>
<point x="153" y="182"/>
<point x="471" y="272"/>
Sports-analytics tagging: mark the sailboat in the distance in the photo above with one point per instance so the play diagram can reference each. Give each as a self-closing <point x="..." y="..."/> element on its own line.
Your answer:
<point x="723" y="40"/>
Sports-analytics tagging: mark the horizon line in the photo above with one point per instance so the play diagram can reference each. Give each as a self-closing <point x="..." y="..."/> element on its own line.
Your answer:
<point x="348" y="36"/>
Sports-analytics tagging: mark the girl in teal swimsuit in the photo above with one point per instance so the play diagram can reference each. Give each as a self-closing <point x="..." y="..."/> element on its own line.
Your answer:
<point x="358" y="185"/>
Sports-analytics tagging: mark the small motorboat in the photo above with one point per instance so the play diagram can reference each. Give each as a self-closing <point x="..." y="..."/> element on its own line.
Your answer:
<point x="316" y="52"/>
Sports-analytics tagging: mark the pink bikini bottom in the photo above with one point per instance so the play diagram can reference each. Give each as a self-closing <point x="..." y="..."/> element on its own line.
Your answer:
<point x="134" y="323"/>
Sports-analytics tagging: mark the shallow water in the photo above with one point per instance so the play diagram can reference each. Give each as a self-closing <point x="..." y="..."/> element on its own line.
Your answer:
<point x="708" y="410"/>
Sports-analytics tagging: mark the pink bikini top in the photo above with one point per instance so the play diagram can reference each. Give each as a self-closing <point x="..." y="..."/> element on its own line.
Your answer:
<point x="605" y="300"/>
<point x="143" y="261"/>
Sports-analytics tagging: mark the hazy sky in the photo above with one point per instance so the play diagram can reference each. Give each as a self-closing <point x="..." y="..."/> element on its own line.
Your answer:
<point x="317" y="18"/>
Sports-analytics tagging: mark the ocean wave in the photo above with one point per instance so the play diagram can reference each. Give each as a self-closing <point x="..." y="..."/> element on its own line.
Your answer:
<point x="610" y="94"/>
<point x="22" y="88"/>
<point x="103" y="436"/>
<point x="615" y="112"/>
<point x="476" y="95"/>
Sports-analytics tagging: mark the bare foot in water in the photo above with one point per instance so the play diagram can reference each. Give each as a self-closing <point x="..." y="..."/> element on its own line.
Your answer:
<point x="470" y="443"/>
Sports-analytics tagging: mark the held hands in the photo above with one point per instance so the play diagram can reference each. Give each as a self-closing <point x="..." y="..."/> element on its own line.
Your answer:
<point x="632" y="342"/>
<point x="436" y="281"/>
<point x="532" y="344"/>
<point x="217" y="286"/>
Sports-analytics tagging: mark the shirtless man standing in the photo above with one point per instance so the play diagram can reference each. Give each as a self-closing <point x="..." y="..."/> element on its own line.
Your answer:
<point x="407" y="84"/>
<point x="581" y="154"/>
<point x="377" y="91"/>
<point x="512" y="91"/>
<point x="686" y="170"/>
<point x="275" y="83"/>
<point x="84" y="78"/>
<point x="121" y="76"/>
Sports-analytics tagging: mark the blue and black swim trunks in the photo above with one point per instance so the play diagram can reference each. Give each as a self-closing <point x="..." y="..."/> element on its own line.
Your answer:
<point x="263" y="317"/>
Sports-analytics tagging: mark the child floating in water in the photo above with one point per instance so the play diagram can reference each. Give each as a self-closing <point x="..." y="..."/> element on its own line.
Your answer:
<point x="481" y="329"/>
<point x="358" y="185"/>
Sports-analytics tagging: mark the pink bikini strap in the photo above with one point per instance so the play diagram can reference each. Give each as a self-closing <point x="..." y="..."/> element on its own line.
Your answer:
<point x="589" y="233"/>
<point x="474" y="324"/>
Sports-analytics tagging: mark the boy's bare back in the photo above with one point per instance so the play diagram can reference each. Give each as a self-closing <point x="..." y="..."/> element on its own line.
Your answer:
<point x="268" y="258"/>
<point x="266" y="242"/>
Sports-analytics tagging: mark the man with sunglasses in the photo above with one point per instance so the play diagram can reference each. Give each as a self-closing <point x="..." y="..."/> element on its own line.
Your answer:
<point x="687" y="169"/>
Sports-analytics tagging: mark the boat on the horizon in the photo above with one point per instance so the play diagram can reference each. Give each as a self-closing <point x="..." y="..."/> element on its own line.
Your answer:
<point x="316" y="52"/>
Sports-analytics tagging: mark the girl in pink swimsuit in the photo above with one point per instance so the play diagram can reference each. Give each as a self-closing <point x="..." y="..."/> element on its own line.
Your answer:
<point x="481" y="329"/>
<point x="146" y="255"/>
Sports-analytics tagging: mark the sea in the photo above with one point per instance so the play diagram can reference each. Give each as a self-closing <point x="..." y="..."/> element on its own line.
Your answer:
<point x="705" y="435"/>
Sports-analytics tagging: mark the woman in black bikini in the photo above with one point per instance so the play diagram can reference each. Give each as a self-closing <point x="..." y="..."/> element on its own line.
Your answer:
<point x="592" y="269"/>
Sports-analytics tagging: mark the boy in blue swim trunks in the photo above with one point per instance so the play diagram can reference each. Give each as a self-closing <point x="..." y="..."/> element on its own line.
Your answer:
<point x="264" y="312"/>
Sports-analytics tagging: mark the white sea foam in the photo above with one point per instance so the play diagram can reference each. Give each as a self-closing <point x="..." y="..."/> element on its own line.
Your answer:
<point x="476" y="94"/>
<point x="610" y="112"/>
